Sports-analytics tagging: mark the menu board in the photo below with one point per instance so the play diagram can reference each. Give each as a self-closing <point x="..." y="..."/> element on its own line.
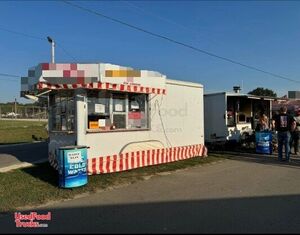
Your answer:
<point x="99" y="108"/>
<point x="119" y="105"/>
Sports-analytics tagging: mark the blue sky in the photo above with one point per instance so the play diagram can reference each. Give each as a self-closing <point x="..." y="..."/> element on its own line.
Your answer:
<point x="264" y="34"/>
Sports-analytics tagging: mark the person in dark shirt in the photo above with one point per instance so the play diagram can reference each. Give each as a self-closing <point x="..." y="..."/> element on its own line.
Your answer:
<point x="284" y="124"/>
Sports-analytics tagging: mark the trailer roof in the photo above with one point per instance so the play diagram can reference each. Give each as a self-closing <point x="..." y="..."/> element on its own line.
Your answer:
<point x="241" y="95"/>
<point x="101" y="76"/>
<point x="183" y="83"/>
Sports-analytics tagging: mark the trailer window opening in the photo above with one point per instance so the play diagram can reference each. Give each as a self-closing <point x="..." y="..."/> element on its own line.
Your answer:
<point x="98" y="110"/>
<point x="239" y="111"/>
<point x="62" y="111"/>
<point x="231" y="109"/>
<point x="117" y="110"/>
<point x="138" y="111"/>
<point x="245" y="110"/>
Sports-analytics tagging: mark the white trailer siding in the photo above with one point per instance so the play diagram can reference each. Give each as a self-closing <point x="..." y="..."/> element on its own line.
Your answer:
<point x="215" y="117"/>
<point x="180" y="124"/>
<point x="176" y="132"/>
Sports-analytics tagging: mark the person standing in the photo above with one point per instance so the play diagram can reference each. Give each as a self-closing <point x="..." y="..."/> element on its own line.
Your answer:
<point x="296" y="134"/>
<point x="284" y="125"/>
<point x="263" y="121"/>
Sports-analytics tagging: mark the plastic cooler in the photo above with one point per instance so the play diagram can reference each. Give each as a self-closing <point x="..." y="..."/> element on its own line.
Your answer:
<point x="263" y="141"/>
<point x="72" y="166"/>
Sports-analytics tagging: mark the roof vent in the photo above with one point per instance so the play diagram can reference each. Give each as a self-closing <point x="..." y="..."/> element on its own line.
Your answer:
<point x="237" y="89"/>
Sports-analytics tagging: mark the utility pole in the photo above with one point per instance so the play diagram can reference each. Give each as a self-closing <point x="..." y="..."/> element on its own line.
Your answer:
<point x="15" y="106"/>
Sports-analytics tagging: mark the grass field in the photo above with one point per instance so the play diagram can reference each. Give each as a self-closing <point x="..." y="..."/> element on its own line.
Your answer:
<point x="12" y="131"/>
<point x="39" y="184"/>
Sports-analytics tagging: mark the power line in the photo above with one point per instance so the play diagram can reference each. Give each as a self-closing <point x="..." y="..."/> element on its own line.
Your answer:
<point x="39" y="38"/>
<point x="158" y="16"/>
<point x="65" y="51"/>
<point x="21" y="34"/>
<point x="170" y="21"/>
<point x="13" y="78"/>
<point x="151" y="14"/>
<point x="178" y="42"/>
<point x="9" y="75"/>
<point x="8" y="80"/>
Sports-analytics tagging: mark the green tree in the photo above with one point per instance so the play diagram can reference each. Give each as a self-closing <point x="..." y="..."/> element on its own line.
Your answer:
<point x="260" y="91"/>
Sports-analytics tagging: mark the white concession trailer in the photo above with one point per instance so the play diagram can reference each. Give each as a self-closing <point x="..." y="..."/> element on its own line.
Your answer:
<point x="128" y="118"/>
<point x="227" y="115"/>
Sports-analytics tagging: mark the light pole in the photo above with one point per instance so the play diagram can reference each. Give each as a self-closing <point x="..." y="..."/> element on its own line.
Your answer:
<point x="52" y="49"/>
<point x="15" y="106"/>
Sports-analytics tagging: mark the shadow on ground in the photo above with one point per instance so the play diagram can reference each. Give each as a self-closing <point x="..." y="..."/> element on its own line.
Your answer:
<point x="44" y="172"/>
<point x="269" y="214"/>
<point x="259" y="158"/>
<point x="30" y="153"/>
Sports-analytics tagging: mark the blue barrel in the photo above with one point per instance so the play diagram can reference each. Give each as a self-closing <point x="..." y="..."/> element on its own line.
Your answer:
<point x="263" y="141"/>
<point x="72" y="166"/>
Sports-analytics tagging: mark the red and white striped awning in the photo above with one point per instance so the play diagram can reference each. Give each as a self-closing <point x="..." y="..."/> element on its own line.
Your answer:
<point x="103" y="86"/>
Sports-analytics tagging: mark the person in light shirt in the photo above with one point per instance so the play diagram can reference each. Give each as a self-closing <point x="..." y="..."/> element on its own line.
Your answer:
<point x="264" y="122"/>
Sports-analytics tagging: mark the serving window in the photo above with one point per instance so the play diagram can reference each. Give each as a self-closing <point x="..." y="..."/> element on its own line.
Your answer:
<point x="99" y="110"/>
<point x="62" y="111"/>
<point x="117" y="111"/>
<point x="137" y="111"/>
<point x="239" y="111"/>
